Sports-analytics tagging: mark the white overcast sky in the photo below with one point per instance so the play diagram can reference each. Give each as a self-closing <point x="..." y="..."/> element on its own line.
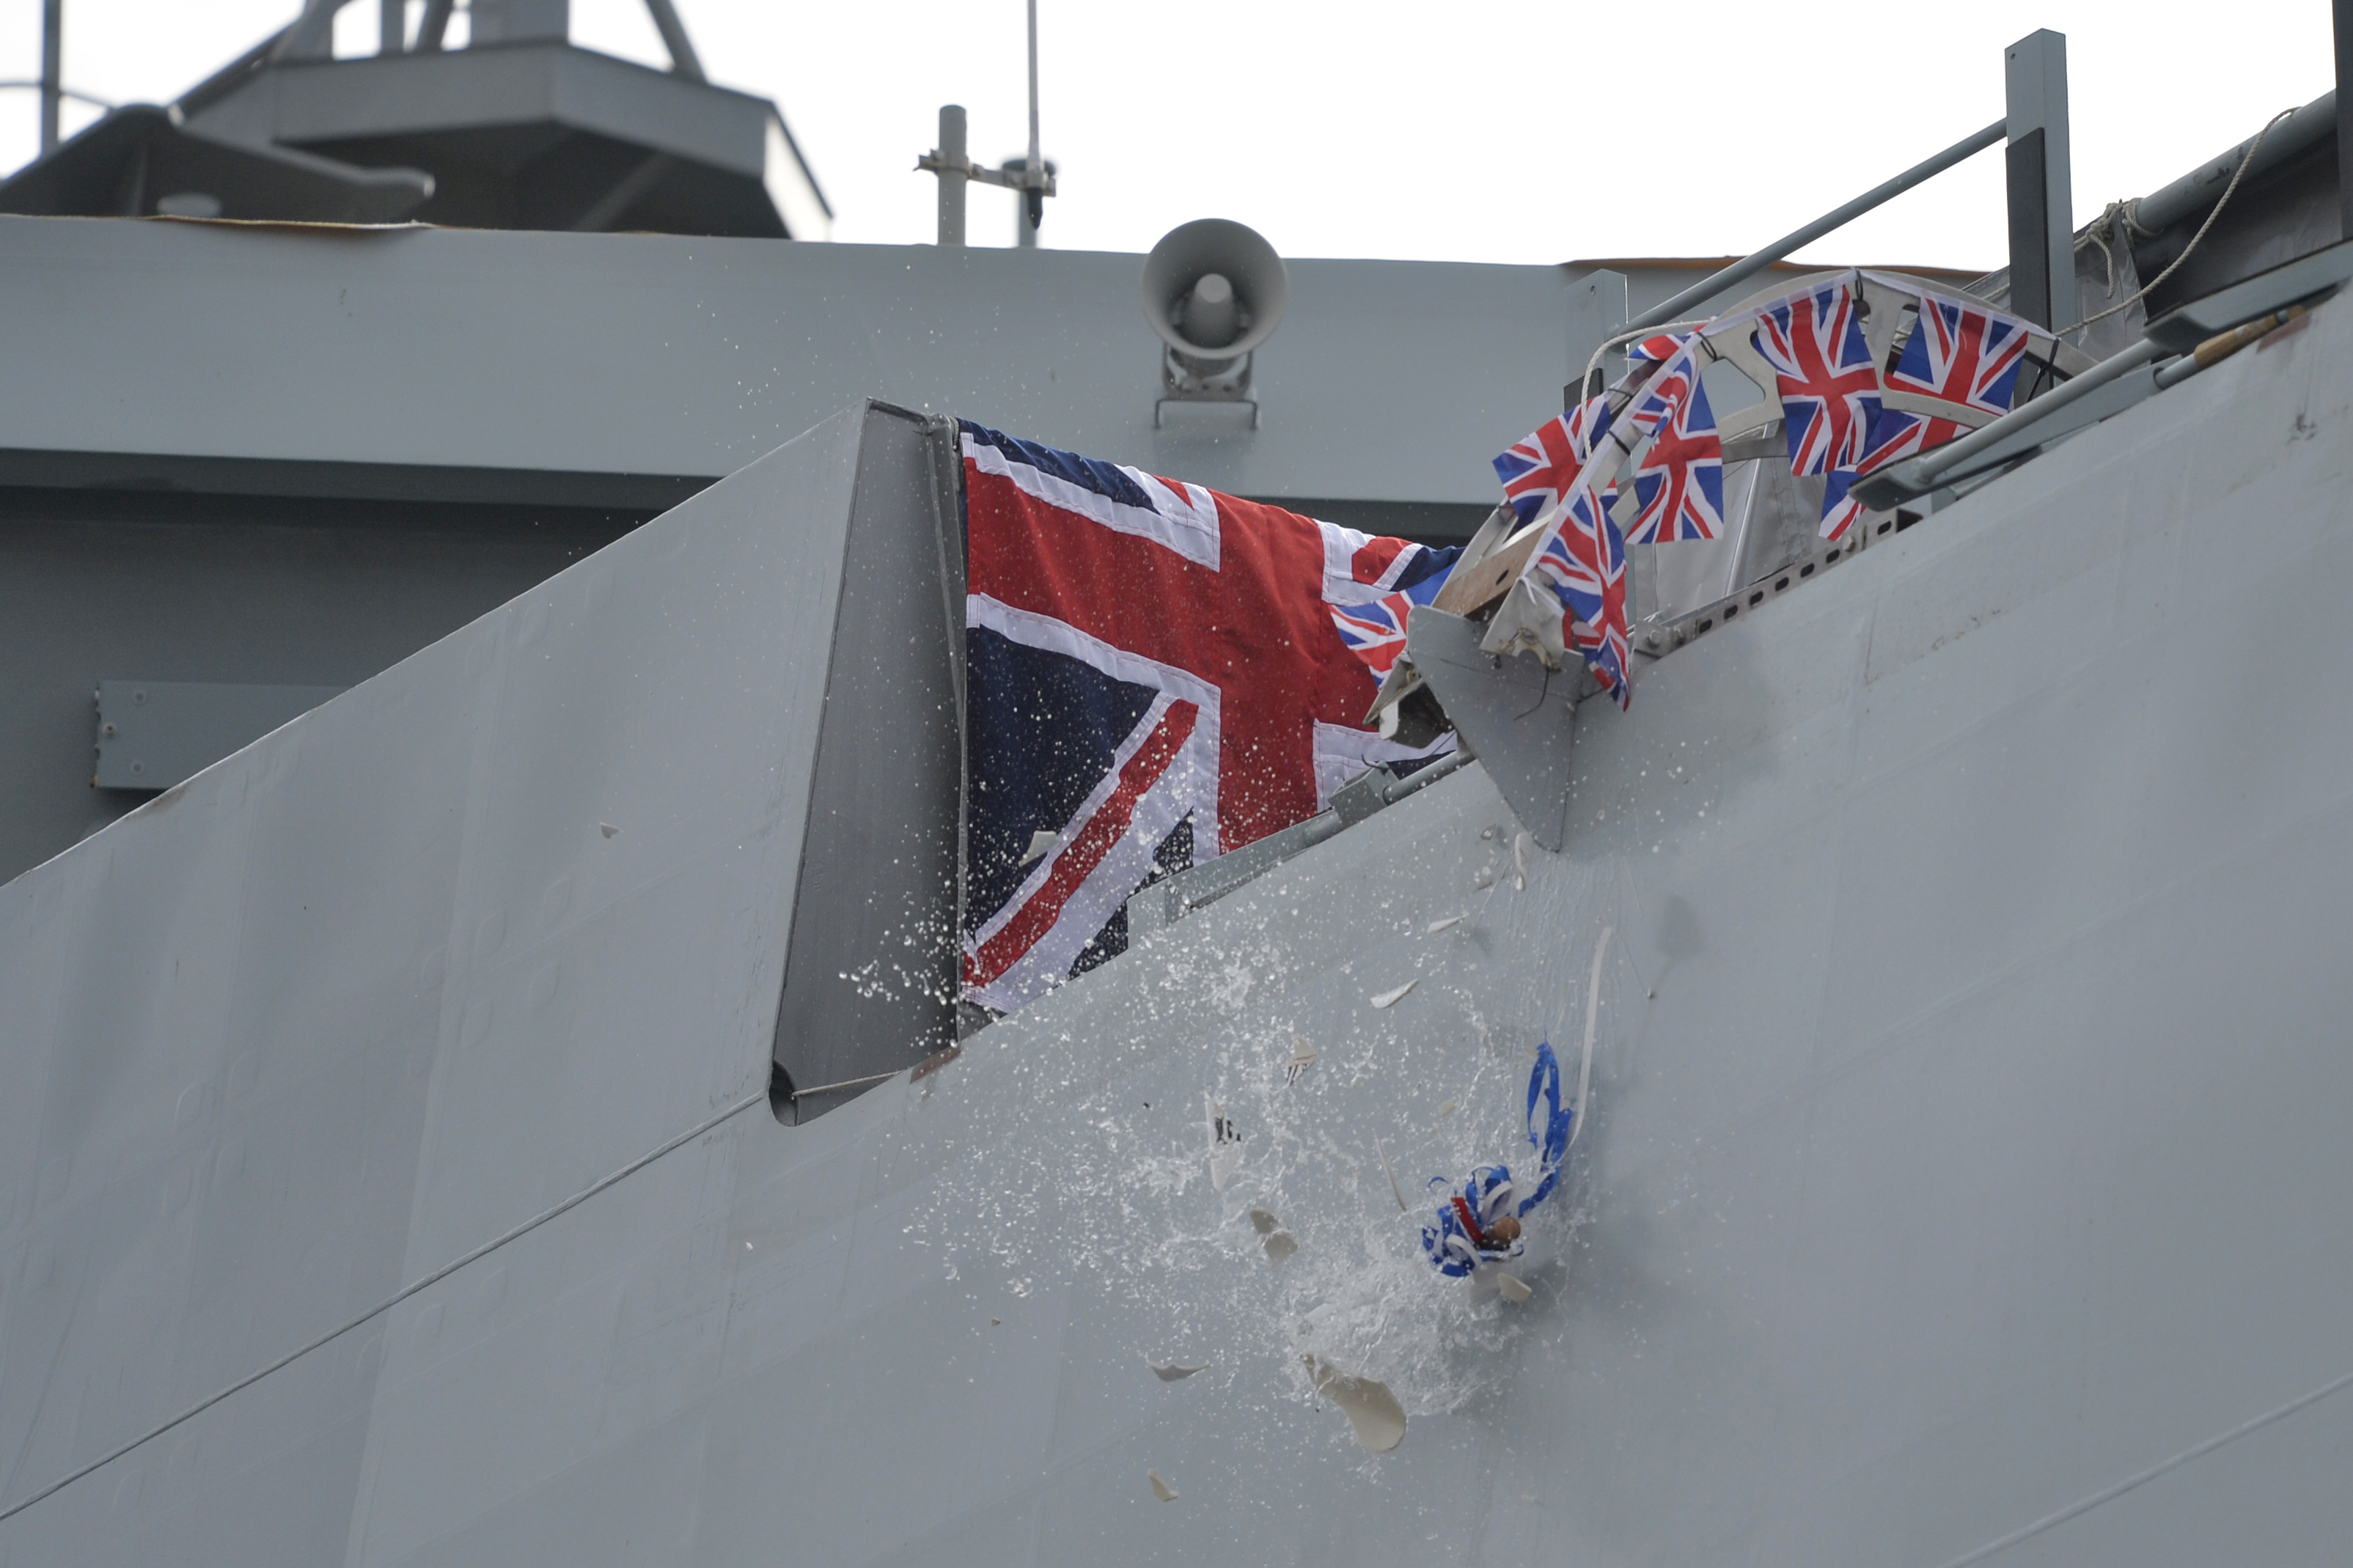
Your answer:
<point x="1478" y="132"/>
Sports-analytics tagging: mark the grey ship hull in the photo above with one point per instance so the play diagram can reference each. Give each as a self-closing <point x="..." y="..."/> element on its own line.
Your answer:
<point x="1965" y="1182"/>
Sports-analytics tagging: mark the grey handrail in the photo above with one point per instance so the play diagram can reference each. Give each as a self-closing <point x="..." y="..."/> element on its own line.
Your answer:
<point x="1748" y="267"/>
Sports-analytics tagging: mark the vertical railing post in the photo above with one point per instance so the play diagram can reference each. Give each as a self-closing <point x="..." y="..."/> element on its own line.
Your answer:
<point x="2344" y="17"/>
<point x="2042" y="202"/>
<point x="952" y="175"/>
<point x="53" y="98"/>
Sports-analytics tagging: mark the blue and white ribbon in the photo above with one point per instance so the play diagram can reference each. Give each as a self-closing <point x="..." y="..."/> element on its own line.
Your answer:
<point x="1459" y="1240"/>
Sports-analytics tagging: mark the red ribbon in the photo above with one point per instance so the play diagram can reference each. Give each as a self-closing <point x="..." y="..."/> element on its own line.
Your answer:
<point x="1471" y="1223"/>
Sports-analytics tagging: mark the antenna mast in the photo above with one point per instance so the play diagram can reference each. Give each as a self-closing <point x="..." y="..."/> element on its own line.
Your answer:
<point x="1033" y="172"/>
<point x="1034" y="179"/>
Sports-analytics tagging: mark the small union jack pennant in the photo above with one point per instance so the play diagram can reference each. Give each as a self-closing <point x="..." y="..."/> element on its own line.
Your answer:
<point x="1584" y="563"/>
<point x="1374" y="629"/>
<point x="1894" y="436"/>
<point x="1655" y="350"/>
<point x="1830" y="391"/>
<point x="1667" y="390"/>
<point x="1966" y="354"/>
<point x="1678" y="482"/>
<point x="1541" y="464"/>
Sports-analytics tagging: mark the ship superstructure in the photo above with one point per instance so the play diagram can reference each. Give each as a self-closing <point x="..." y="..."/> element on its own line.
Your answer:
<point x="403" y="1156"/>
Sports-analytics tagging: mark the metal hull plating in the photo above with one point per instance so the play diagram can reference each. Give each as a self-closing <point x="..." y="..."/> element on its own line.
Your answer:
<point x="1964" y="1181"/>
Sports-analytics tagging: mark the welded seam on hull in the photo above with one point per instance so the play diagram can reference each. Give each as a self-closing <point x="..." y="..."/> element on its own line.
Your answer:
<point x="525" y="1229"/>
<point x="2110" y="1494"/>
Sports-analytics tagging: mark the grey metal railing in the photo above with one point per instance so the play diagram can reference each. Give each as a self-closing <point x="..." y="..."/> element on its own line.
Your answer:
<point x="2041" y="220"/>
<point x="1781" y="249"/>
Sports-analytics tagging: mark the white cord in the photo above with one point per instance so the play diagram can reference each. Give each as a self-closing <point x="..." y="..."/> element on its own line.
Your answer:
<point x="1608" y="343"/>
<point x="2245" y="162"/>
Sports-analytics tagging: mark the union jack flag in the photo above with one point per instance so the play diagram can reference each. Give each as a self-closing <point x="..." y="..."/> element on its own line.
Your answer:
<point x="1153" y="675"/>
<point x="1894" y="436"/>
<point x="1584" y="563"/>
<point x="1828" y="388"/>
<point x="1374" y="629"/>
<point x="1963" y="353"/>
<point x="1655" y="350"/>
<point x="1539" y="466"/>
<point x="1679" y="483"/>
<point x="1667" y="389"/>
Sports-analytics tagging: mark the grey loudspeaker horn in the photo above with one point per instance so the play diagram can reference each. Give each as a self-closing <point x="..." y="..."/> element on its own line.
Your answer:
<point x="1213" y="290"/>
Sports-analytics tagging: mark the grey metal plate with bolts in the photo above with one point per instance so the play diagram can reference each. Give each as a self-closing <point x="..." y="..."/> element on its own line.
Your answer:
<point x="154" y="733"/>
<point x="1963" y="1180"/>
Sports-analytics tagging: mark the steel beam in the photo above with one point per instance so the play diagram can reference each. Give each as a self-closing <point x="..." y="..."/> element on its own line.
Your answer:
<point x="311" y="37"/>
<point x="53" y="36"/>
<point x="2342" y="13"/>
<point x="434" y="26"/>
<point x="683" y="60"/>
<point x="2041" y="197"/>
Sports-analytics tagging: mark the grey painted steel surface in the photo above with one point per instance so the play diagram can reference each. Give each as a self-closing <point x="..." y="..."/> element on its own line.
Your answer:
<point x="1517" y="717"/>
<point x="478" y="88"/>
<point x="1967" y="1144"/>
<point x="383" y="986"/>
<point x="238" y="590"/>
<point x="870" y="983"/>
<point x="657" y="355"/>
<point x="151" y="734"/>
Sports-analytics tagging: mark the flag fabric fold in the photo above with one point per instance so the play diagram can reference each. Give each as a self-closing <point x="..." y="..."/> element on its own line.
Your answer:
<point x="1538" y="469"/>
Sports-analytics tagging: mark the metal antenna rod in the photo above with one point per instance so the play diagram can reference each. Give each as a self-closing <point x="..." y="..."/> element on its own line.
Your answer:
<point x="1033" y="173"/>
<point x="1033" y="163"/>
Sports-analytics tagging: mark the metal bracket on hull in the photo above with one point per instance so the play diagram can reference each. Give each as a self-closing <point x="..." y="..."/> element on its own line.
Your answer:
<point x="1163" y="903"/>
<point x="1518" y="716"/>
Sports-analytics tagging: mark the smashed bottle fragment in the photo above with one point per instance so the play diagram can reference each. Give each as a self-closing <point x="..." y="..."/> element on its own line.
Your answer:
<point x="1278" y="1243"/>
<point x="1372" y="1410"/>
<point x="1225" y="1145"/>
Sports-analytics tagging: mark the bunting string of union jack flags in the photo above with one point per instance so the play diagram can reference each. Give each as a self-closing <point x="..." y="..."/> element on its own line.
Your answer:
<point x="1642" y="461"/>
